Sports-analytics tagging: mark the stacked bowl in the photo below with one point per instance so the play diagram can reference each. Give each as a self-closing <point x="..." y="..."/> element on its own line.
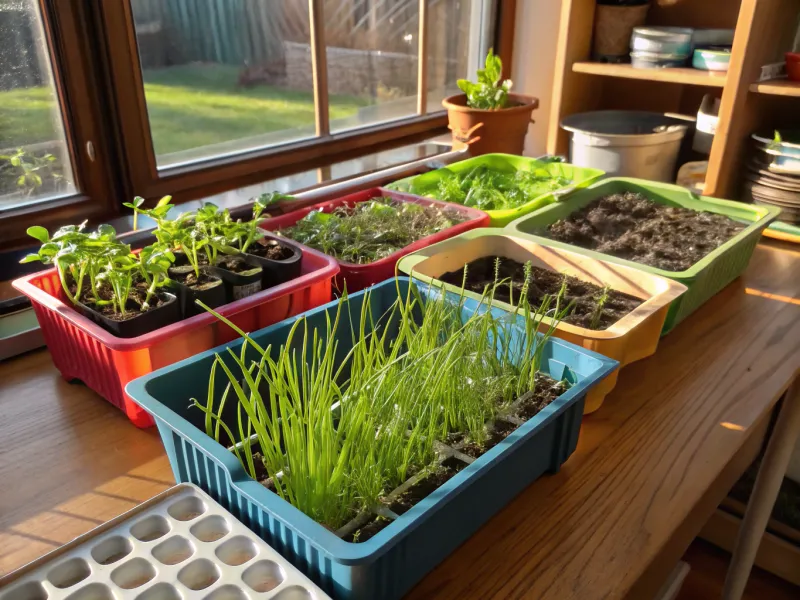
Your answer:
<point x="772" y="175"/>
<point x="657" y="47"/>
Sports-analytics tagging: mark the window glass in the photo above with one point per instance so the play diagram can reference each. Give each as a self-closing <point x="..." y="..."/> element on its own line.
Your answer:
<point x="34" y="159"/>
<point x="225" y="76"/>
<point x="373" y="48"/>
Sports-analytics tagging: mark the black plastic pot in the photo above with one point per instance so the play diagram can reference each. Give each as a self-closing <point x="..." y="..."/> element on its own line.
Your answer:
<point x="276" y="272"/>
<point x="243" y="284"/>
<point x="212" y="296"/>
<point x="145" y="322"/>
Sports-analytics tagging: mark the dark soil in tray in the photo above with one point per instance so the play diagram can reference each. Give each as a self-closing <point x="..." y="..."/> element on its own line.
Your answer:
<point x="632" y="227"/>
<point x="424" y="488"/>
<point x="365" y="532"/>
<point x="204" y="282"/>
<point x="133" y="308"/>
<point x="547" y="390"/>
<point x="234" y="264"/>
<point x="481" y="273"/>
<point x="502" y="429"/>
<point x="272" y="251"/>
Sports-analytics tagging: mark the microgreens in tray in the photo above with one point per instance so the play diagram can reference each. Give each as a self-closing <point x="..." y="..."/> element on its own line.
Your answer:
<point x="372" y="230"/>
<point x="490" y="189"/>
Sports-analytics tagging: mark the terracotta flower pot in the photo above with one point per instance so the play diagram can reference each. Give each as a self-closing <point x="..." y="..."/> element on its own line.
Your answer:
<point x="500" y="131"/>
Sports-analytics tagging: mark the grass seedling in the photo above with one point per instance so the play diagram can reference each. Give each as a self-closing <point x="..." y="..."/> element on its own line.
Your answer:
<point x="336" y="430"/>
<point x="597" y="313"/>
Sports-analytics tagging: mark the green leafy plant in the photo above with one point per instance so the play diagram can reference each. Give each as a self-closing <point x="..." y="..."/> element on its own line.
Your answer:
<point x="490" y="92"/>
<point x="370" y="230"/>
<point x="246" y="234"/>
<point x="154" y="264"/>
<point x="158" y="213"/>
<point x="30" y="171"/>
<point x="98" y="269"/>
<point x="491" y="189"/>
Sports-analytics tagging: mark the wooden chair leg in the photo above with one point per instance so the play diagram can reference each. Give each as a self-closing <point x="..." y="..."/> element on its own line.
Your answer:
<point x="765" y="491"/>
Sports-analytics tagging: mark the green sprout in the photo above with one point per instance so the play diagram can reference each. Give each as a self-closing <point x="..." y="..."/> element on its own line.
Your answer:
<point x="490" y="92"/>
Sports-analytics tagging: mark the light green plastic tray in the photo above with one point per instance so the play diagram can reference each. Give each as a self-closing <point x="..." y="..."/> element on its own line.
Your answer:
<point x="428" y="183"/>
<point x="706" y="277"/>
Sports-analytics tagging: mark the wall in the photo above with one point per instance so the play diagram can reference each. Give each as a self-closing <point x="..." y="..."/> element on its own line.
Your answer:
<point x="535" y="38"/>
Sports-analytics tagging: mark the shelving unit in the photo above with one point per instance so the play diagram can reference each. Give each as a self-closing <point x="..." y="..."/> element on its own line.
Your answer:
<point x="764" y="29"/>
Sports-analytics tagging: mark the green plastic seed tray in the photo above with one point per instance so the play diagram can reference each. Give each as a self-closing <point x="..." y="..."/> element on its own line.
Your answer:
<point x="427" y="184"/>
<point x="703" y="279"/>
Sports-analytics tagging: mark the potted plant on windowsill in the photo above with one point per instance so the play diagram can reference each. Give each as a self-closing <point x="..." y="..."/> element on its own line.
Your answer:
<point x="487" y="117"/>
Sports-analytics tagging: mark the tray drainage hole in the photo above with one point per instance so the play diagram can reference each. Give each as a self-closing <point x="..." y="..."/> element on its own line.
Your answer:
<point x="112" y="550"/>
<point x="33" y="590"/>
<point x="133" y="574"/>
<point x="69" y="573"/>
<point x="187" y="509"/>
<point x="199" y="574"/>
<point x="236" y="551"/>
<point x="150" y="528"/>
<point x="173" y="550"/>
<point x="295" y="593"/>
<point x="160" y="591"/>
<point x="227" y="592"/>
<point x="263" y="576"/>
<point x="93" y="591"/>
<point x="210" y="529"/>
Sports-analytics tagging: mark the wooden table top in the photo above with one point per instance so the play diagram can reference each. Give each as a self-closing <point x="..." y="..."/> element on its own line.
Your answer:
<point x="651" y="464"/>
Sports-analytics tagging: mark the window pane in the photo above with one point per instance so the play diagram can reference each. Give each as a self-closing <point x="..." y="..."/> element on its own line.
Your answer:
<point x="222" y="76"/>
<point x="34" y="160"/>
<point x="372" y="58"/>
<point x="372" y="50"/>
<point x="458" y="34"/>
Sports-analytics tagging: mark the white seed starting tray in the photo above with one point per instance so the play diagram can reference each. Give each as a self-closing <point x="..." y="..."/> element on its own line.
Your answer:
<point x="179" y="545"/>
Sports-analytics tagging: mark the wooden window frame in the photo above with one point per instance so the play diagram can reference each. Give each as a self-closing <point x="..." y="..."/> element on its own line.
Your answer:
<point x="79" y="91"/>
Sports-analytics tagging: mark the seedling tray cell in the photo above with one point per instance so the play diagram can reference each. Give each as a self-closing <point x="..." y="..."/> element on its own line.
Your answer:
<point x="83" y="350"/>
<point x="703" y="279"/>
<point x="179" y="544"/>
<point x="633" y="337"/>
<point x="387" y="565"/>
<point x="360" y="276"/>
<point x="428" y="183"/>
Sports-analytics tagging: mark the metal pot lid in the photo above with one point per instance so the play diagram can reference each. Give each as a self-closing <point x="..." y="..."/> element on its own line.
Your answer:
<point x="623" y="122"/>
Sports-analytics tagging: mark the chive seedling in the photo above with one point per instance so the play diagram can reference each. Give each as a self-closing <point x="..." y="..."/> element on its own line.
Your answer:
<point x="337" y="428"/>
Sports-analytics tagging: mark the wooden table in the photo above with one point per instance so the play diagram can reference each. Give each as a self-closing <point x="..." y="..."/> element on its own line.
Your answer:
<point x="650" y="468"/>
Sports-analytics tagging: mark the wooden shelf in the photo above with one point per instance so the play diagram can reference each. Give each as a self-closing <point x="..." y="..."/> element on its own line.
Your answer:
<point x="675" y="75"/>
<point x="778" y="87"/>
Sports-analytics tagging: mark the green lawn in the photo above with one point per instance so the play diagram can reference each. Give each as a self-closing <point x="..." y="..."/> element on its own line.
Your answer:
<point x="189" y="106"/>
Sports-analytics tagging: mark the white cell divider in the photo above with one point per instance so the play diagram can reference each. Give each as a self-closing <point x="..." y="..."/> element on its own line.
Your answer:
<point x="178" y="545"/>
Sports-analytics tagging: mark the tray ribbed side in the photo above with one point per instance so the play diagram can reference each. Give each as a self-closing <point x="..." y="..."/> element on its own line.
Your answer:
<point x="712" y="279"/>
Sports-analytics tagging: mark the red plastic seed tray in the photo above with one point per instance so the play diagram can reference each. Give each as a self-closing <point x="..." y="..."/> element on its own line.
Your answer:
<point x="359" y="276"/>
<point x="83" y="350"/>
